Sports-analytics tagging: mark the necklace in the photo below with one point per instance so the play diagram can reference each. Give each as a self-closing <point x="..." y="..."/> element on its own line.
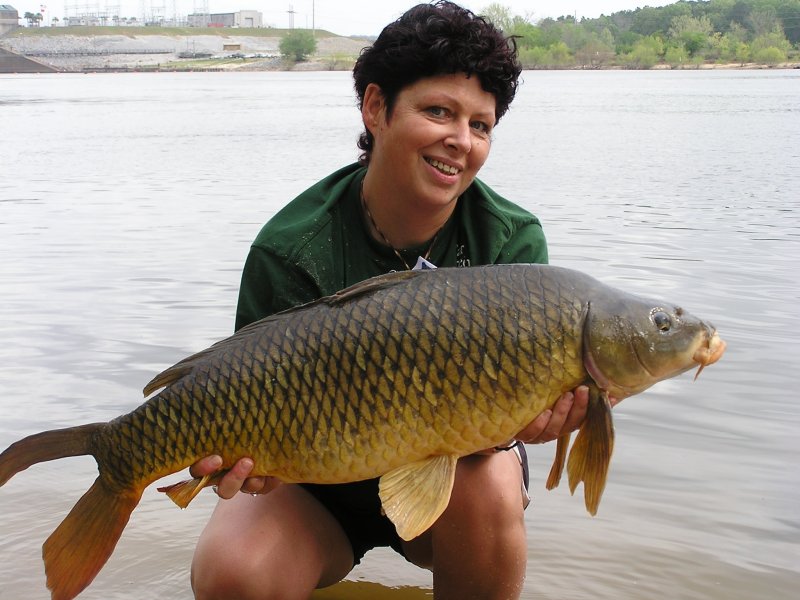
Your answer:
<point x="383" y="235"/>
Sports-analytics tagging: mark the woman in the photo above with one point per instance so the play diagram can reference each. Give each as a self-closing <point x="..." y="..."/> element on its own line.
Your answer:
<point x="431" y="89"/>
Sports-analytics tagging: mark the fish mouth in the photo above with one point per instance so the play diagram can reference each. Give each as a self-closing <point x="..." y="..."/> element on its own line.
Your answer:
<point x="710" y="349"/>
<point x="710" y="353"/>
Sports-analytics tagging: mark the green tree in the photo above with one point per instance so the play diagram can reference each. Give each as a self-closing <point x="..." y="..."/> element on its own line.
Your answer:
<point x="741" y="53"/>
<point x="646" y="53"/>
<point x="647" y="21"/>
<point x="676" y="57"/>
<point x="789" y="14"/>
<point x="33" y="19"/>
<point x="520" y="28"/>
<point x="692" y="32"/>
<point x="298" y="45"/>
<point x="573" y="35"/>
<point x="769" y="56"/>
<point x="740" y="12"/>
<point x="773" y="39"/>
<point x="697" y="30"/>
<point x="736" y="32"/>
<point x="558" y="56"/>
<point x="733" y="45"/>
<point x="499" y="16"/>
<point x="597" y="51"/>
<point x="533" y="57"/>
<point x="626" y="41"/>
<point x="763" y="21"/>
<point x="542" y="36"/>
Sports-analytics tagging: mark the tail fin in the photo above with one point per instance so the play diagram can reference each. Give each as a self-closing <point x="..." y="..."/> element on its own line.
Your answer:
<point x="79" y="547"/>
<point x="48" y="445"/>
<point x="591" y="453"/>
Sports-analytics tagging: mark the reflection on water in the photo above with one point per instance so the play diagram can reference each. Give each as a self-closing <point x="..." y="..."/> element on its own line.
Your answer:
<point x="127" y="205"/>
<point x="366" y="590"/>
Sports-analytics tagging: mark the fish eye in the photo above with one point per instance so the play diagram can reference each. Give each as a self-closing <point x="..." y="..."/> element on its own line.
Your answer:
<point x="661" y="320"/>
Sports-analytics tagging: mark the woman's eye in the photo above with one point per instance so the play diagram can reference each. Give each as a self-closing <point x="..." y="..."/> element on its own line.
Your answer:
<point x="481" y="126"/>
<point x="436" y="111"/>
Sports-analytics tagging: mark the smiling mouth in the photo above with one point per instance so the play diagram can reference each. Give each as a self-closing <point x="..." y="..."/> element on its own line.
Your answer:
<point x="440" y="166"/>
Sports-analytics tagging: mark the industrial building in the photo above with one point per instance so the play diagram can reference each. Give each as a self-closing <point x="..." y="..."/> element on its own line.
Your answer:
<point x="9" y="18"/>
<point x="242" y="18"/>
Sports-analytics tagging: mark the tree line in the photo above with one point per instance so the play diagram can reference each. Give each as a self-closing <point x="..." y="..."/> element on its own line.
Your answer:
<point x="683" y="34"/>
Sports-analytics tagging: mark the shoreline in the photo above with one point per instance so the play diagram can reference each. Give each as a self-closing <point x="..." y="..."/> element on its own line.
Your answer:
<point x="226" y="51"/>
<point x="318" y="66"/>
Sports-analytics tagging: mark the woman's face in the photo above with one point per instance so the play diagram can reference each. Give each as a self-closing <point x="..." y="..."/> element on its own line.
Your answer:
<point x="435" y="141"/>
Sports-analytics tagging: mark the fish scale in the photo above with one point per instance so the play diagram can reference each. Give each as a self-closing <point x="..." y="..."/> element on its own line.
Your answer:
<point x="419" y="334"/>
<point x="396" y="377"/>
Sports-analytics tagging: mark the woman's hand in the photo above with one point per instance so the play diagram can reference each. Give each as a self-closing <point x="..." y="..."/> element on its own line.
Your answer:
<point x="236" y="479"/>
<point x="565" y="416"/>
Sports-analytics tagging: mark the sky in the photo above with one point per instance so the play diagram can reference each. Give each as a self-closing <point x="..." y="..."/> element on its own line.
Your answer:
<point x="343" y="17"/>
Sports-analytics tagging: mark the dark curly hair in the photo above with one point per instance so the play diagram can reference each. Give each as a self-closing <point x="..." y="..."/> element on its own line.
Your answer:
<point x="436" y="39"/>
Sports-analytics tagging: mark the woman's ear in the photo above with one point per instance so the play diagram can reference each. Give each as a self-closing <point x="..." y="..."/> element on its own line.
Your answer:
<point x="373" y="107"/>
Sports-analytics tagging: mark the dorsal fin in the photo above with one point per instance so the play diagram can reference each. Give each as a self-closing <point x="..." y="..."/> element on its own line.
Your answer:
<point x="368" y="286"/>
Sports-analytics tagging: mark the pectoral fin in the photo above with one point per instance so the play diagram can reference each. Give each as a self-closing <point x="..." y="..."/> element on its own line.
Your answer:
<point x="416" y="494"/>
<point x="591" y="453"/>
<point x="554" y="478"/>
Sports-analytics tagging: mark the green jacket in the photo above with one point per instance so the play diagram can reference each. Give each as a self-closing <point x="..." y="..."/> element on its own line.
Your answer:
<point x="319" y="244"/>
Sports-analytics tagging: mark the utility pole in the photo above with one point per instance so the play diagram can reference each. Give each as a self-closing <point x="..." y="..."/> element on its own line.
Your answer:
<point x="291" y="12"/>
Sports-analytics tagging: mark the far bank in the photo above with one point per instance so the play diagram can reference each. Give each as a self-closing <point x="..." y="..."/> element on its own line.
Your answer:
<point x="109" y="49"/>
<point x="86" y="49"/>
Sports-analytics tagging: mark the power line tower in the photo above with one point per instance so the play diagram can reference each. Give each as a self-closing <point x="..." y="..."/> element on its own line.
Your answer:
<point x="201" y="10"/>
<point x="112" y="10"/>
<point x="292" y="13"/>
<point x="81" y="9"/>
<point x="158" y="11"/>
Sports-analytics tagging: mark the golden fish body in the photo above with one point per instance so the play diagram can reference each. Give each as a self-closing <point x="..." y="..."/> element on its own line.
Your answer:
<point x="395" y="377"/>
<point x="393" y="371"/>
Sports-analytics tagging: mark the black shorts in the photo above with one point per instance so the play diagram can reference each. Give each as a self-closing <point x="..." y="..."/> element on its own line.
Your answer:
<point x="357" y="508"/>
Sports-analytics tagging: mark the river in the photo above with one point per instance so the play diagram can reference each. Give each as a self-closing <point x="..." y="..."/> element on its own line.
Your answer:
<point x="127" y="204"/>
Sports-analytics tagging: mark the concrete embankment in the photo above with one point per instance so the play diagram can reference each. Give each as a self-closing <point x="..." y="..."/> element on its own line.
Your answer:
<point x="77" y="53"/>
<point x="16" y="63"/>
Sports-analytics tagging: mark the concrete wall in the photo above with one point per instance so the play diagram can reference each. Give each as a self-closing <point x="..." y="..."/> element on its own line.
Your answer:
<point x="16" y="63"/>
<point x="9" y="18"/>
<point x="243" y="18"/>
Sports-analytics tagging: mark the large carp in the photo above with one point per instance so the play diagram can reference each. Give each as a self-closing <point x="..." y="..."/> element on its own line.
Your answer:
<point x="396" y="377"/>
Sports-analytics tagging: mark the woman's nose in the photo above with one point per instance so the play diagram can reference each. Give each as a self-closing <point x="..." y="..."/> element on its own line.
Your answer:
<point x="460" y="136"/>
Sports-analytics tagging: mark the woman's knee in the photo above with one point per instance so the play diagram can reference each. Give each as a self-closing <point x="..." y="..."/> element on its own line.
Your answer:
<point x="489" y="489"/>
<point x="280" y="545"/>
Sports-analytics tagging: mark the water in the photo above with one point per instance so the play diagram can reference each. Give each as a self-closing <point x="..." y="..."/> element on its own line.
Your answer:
<point x="127" y="204"/>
